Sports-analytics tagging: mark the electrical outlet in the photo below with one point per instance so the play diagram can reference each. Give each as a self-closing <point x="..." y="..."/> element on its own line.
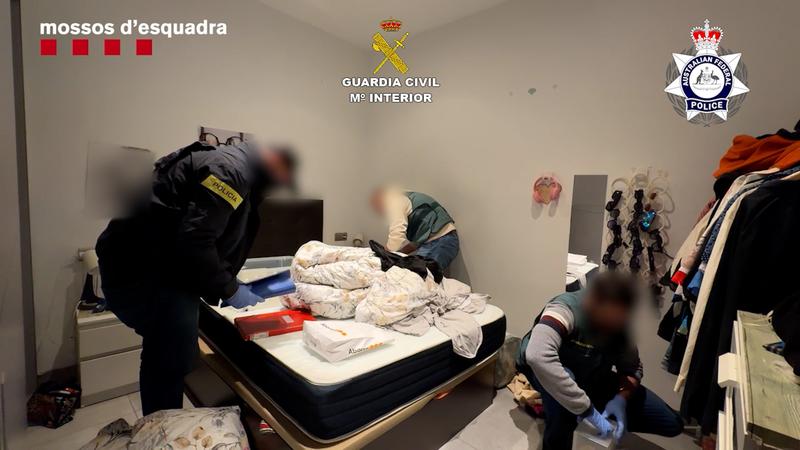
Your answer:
<point x="341" y="236"/>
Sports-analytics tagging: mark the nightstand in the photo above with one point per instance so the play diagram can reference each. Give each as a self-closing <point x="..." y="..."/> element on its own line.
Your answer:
<point x="108" y="355"/>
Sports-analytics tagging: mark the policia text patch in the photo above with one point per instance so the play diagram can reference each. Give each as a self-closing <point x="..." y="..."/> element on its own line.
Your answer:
<point x="222" y="189"/>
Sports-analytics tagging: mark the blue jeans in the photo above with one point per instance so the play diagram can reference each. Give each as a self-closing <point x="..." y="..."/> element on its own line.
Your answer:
<point x="647" y="412"/>
<point x="442" y="250"/>
<point x="166" y="318"/>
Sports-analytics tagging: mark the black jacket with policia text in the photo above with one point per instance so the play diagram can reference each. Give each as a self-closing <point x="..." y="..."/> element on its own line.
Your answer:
<point x="196" y="228"/>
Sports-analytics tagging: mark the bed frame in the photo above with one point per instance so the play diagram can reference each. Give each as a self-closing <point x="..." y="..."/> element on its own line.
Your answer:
<point x="425" y="423"/>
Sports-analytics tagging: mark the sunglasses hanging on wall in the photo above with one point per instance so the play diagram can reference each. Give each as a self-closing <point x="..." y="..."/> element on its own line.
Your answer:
<point x="615" y="197"/>
<point x="615" y="226"/>
<point x="637" y="222"/>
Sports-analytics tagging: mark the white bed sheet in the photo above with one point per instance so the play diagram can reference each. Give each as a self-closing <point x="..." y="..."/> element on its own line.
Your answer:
<point x="290" y="350"/>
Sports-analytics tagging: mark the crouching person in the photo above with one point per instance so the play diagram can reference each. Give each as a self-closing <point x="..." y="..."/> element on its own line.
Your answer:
<point x="580" y="357"/>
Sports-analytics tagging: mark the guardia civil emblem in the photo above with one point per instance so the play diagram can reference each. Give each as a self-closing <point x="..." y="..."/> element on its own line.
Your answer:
<point x="708" y="86"/>
<point x="380" y="45"/>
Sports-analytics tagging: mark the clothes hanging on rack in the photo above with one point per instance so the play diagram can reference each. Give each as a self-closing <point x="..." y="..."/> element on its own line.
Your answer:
<point x="748" y="153"/>
<point x="674" y="328"/>
<point x="714" y="230"/>
<point x="752" y="276"/>
<point x="734" y="259"/>
<point x="720" y="226"/>
<point x="690" y="259"/>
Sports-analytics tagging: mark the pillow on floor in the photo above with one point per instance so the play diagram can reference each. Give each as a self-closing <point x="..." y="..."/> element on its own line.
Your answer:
<point x="114" y="436"/>
<point x="198" y="428"/>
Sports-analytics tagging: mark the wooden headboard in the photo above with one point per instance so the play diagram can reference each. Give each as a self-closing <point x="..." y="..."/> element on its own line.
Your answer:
<point x="286" y="225"/>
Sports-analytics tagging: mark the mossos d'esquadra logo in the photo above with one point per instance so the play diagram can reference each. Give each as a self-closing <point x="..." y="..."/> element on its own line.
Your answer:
<point x="708" y="86"/>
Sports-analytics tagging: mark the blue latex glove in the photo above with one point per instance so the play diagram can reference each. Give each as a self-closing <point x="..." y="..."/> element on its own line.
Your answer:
<point x="243" y="297"/>
<point x="616" y="408"/>
<point x="597" y="420"/>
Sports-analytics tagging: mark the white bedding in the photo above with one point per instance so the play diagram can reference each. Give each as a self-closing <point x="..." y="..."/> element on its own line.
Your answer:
<point x="290" y="350"/>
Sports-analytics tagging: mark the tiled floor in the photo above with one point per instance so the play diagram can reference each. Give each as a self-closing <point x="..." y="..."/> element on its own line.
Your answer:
<point x="502" y="426"/>
<point x="84" y="426"/>
<point x="505" y="426"/>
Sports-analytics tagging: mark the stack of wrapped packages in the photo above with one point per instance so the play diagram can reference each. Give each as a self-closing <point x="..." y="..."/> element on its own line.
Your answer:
<point x="331" y="281"/>
<point x="386" y="290"/>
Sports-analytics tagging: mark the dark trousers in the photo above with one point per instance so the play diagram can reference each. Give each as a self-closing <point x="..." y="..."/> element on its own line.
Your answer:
<point x="166" y="319"/>
<point x="647" y="412"/>
<point x="442" y="250"/>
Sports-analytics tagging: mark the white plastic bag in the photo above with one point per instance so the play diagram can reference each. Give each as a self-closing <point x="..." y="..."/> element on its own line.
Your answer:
<point x="337" y="340"/>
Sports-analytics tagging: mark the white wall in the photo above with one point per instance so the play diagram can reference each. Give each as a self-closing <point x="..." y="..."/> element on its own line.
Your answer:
<point x="598" y="68"/>
<point x="12" y="334"/>
<point x="270" y="75"/>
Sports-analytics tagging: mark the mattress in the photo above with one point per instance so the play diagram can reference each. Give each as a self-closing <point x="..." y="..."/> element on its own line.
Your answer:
<point x="330" y="401"/>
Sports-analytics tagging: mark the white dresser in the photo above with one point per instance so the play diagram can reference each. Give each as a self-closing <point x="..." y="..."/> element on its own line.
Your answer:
<point x="108" y="353"/>
<point x="762" y="398"/>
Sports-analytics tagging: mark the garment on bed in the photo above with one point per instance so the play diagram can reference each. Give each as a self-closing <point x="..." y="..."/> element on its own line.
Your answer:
<point x="415" y="263"/>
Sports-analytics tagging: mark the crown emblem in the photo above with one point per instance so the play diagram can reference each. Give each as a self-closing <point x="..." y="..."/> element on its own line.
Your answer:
<point x="391" y="24"/>
<point x="706" y="39"/>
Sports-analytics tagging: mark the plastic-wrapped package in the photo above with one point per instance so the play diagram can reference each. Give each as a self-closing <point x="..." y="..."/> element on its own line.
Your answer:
<point x="335" y="340"/>
<point x="325" y="301"/>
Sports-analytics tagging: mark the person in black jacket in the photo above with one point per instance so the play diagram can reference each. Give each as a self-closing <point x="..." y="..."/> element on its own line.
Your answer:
<point x="185" y="241"/>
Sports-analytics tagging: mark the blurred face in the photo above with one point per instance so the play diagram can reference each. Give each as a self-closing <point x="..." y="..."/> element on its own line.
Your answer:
<point x="278" y="168"/>
<point x="607" y="316"/>
<point x="376" y="201"/>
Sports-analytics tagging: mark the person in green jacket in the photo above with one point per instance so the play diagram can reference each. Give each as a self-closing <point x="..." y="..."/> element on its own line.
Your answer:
<point x="418" y="224"/>
<point x="581" y="357"/>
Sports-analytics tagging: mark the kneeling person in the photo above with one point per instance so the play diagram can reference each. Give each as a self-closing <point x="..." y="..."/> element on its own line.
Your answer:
<point x="417" y="223"/>
<point x="569" y="356"/>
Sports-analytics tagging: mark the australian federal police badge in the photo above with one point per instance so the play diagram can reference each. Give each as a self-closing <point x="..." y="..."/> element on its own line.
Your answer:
<point x="703" y="85"/>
